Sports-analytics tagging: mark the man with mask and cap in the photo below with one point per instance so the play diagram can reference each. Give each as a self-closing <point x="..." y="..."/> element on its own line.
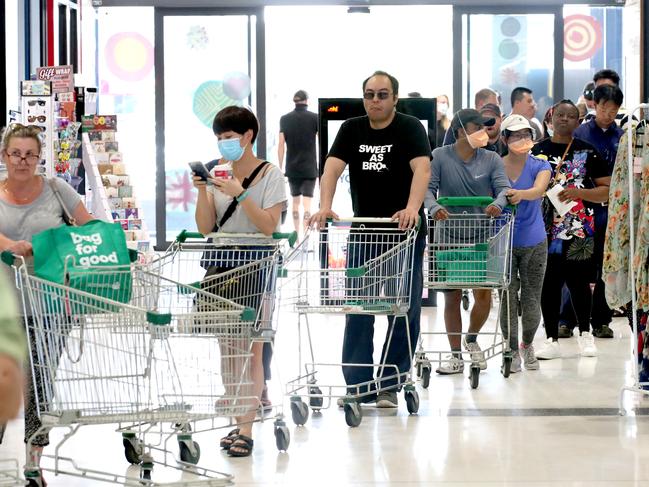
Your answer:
<point x="495" y="143"/>
<point x="465" y="168"/>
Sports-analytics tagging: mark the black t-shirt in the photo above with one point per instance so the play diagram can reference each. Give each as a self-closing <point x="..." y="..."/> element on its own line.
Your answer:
<point x="581" y="166"/>
<point x="379" y="162"/>
<point x="300" y="128"/>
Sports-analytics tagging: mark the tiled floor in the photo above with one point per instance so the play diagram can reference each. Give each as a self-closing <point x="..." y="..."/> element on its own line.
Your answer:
<point x="554" y="427"/>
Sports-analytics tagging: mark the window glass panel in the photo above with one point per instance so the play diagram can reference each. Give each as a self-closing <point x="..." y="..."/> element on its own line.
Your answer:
<point x="202" y="76"/>
<point x="506" y="51"/>
<point x="592" y="41"/>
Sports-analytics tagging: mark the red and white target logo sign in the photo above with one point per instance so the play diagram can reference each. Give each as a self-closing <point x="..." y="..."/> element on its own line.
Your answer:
<point x="582" y="37"/>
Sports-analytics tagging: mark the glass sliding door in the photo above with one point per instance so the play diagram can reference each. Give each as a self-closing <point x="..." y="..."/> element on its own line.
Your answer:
<point x="205" y="61"/>
<point x="502" y="48"/>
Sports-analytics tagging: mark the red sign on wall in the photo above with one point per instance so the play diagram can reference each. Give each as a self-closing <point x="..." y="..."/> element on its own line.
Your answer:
<point x="582" y="37"/>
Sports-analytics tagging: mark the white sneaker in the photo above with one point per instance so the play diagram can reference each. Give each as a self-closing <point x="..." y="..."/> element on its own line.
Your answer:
<point x="516" y="363"/>
<point x="549" y="351"/>
<point x="587" y="346"/>
<point x="529" y="357"/>
<point x="477" y="355"/>
<point x="452" y="365"/>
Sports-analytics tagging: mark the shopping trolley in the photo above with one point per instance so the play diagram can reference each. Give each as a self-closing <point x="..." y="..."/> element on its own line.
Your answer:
<point x="9" y="473"/>
<point x="242" y="268"/>
<point x="97" y="360"/>
<point x="353" y="266"/>
<point x="469" y="251"/>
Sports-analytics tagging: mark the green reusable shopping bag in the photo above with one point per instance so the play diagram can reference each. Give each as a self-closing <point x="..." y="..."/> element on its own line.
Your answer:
<point x="100" y="263"/>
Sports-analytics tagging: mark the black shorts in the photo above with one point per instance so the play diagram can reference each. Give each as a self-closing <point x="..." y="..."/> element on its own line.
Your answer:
<point x="302" y="187"/>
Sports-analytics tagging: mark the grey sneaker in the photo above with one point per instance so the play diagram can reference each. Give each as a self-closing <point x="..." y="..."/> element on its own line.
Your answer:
<point x="387" y="399"/>
<point x="516" y="363"/>
<point x="452" y="365"/>
<point x="477" y="355"/>
<point x="529" y="358"/>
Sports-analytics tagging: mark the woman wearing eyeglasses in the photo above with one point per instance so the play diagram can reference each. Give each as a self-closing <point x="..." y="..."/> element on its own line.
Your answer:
<point x="28" y="205"/>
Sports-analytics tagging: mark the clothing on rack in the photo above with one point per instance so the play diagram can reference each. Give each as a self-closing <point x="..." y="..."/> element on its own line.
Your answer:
<point x="617" y="243"/>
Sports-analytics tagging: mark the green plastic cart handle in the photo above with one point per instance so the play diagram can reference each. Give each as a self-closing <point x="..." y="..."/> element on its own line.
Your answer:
<point x="184" y="235"/>
<point x="290" y="236"/>
<point x="465" y="200"/>
<point x="7" y="257"/>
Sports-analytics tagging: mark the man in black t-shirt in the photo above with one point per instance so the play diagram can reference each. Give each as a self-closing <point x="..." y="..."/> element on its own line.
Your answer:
<point x="388" y="155"/>
<point x="298" y="130"/>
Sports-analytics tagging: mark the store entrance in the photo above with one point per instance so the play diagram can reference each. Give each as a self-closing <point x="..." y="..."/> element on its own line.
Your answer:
<point x="205" y="60"/>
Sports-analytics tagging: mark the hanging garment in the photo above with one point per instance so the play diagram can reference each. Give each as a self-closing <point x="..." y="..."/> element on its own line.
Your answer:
<point x="617" y="242"/>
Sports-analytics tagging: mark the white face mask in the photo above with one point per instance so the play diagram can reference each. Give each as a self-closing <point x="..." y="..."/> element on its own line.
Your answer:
<point x="442" y="108"/>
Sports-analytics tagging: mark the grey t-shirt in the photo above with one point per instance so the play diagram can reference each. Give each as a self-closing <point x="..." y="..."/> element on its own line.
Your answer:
<point x="22" y="222"/>
<point x="266" y="192"/>
<point x="483" y="175"/>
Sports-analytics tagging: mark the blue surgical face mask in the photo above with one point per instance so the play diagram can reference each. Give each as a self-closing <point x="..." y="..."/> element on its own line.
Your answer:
<point x="231" y="149"/>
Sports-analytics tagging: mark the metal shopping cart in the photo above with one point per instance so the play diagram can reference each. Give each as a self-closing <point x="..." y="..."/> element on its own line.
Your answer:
<point x="354" y="266"/>
<point x="105" y="361"/>
<point x="469" y="251"/>
<point x="242" y="268"/>
<point x="9" y="473"/>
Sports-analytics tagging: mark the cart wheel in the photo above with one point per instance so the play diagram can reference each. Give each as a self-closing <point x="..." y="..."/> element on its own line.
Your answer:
<point x="507" y="366"/>
<point x="33" y="478"/>
<point x="282" y="435"/>
<point x="316" y="400"/>
<point x="465" y="302"/>
<point x="425" y="376"/>
<point x="474" y="377"/>
<point x="412" y="399"/>
<point x="186" y="454"/>
<point x="353" y="414"/>
<point x="299" y="411"/>
<point x="145" y="473"/>
<point x="132" y="449"/>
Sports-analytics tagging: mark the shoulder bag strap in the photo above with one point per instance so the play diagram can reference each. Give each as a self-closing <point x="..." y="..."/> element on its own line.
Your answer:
<point x="67" y="216"/>
<point x="246" y="182"/>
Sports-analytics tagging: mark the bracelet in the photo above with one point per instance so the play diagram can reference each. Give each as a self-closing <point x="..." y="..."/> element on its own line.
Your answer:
<point x="242" y="196"/>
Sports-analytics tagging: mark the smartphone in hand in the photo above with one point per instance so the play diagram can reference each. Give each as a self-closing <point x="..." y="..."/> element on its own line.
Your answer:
<point x="199" y="169"/>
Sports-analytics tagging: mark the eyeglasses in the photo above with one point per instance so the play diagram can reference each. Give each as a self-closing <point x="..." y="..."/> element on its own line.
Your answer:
<point x="17" y="158"/>
<point x="33" y="118"/>
<point x="40" y="103"/>
<point x="381" y="95"/>
<point x="520" y="135"/>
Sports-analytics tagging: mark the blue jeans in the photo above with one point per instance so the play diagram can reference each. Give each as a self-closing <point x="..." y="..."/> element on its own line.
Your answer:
<point x="358" y="346"/>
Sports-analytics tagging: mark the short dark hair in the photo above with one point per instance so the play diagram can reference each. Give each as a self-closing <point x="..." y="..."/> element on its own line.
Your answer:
<point x="607" y="74"/>
<point x="393" y="80"/>
<point x="484" y="94"/>
<point x="588" y="91"/>
<point x="237" y="119"/>
<point x="566" y="102"/>
<point x="608" y="93"/>
<point x="519" y="93"/>
<point x="300" y="95"/>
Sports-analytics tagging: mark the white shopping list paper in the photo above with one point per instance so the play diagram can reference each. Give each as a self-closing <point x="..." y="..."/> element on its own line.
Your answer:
<point x="561" y="207"/>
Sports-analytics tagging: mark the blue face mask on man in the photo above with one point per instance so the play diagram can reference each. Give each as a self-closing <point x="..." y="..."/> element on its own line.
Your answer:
<point x="231" y="149"/>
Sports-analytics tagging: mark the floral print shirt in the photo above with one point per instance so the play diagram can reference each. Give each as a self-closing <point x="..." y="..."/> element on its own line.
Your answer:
<point x="581" y="166"/>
